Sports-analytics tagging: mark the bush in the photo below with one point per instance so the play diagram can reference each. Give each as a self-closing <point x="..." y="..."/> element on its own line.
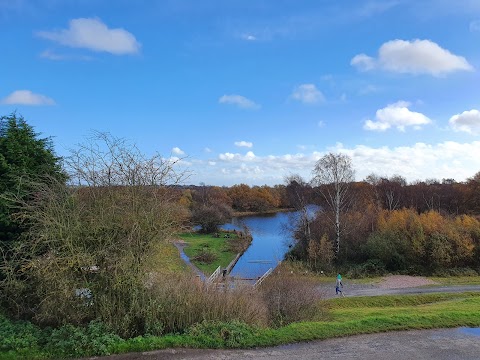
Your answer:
<point x="372" y="267"/>
<point x="290" y="298"/>
<point x="216" y="334"/>
<point x="73" y="341"/>
<point x="19" y="336"/>
<point x="455" y="272"/>
<point x="205" y="256"/>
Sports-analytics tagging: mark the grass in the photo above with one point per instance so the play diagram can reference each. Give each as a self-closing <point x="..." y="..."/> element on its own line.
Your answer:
<point x="456" y="280"/>
<point x="346" y="316"/>
<point x="167" y="259"/>
<point x="207" y="243"/>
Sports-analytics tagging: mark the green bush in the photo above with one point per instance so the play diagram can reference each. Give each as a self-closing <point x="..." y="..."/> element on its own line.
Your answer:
<point x="372" y="267"/>
<point x="217" y="334"/>
<point x="74" y="341"/>
<point x="19" y="336"/>
<point x="455" y="272"/>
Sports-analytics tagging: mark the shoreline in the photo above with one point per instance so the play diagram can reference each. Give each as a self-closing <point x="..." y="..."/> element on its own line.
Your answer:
<point x="260" y="213"/>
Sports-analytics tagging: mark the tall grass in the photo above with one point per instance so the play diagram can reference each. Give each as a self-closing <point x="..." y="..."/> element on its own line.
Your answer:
<point x="179" y="301"/>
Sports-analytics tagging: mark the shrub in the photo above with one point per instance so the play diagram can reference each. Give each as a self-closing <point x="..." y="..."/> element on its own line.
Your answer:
<point x="372" y="267"/>
<point x="290" y="298"/>
<point x="18" y="336"/>
<point x="216" y="334"/>
<point x="73" y="341"/>
<point x="205" y="256"/>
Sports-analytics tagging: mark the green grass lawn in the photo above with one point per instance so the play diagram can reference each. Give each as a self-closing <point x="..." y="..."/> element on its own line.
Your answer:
<point x="167" y="259"/>
<point x="218" y="246"/>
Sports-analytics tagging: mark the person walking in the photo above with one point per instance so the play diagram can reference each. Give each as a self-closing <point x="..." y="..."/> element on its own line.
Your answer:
<point x="339" y="285"/>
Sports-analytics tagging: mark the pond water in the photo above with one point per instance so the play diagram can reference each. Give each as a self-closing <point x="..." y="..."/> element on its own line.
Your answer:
<point x="272" y="238"/>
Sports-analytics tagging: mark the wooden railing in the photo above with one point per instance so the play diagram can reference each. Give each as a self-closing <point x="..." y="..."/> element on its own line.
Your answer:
<point x="212" y="277"/>
<point x="263" y="277"/>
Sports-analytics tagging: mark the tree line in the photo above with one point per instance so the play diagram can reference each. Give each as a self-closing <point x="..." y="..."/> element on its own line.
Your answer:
<point x="385" y="224"/>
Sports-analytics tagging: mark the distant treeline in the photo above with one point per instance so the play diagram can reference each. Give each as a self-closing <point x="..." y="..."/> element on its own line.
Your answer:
<point x="389" y="193"/>
<point x="389" y="225"/>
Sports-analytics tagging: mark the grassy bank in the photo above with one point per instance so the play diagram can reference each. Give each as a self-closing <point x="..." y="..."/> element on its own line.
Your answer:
<point x="208" y="251"/>
<point x="346" y="316"/>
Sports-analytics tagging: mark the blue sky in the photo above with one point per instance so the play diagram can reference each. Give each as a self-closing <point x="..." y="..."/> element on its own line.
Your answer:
<point x="251" y="91"/>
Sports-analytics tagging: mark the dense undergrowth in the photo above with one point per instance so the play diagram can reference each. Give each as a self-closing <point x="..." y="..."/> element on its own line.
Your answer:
<point x="345" y="316"/>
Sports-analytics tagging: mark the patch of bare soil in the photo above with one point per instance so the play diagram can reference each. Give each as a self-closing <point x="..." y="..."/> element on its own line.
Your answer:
<point x="404" y="281"/>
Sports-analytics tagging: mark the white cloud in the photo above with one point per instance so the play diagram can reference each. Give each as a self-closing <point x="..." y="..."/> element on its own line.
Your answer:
<point x="475" y="26"/>
<point x="228" y="156"/>
<point x="363" y="62"/>
<point x="178" y="151"/>
<point x="248" y="37"/>
<point x="249" y="156"/>
<point x="207" y="150"/>
<point x="396" y="115"/>
<point x="321" y="124"/>
<point x="468" y="121"/>
<point x="243" y="144"/>
<point x="413" y="57"/>
<point x="418" y="161"/>
<point x="238" y="100"/>
<point x="26" y="97"/>
<point x="308" y="94"/>
<point x="93" y="34"/>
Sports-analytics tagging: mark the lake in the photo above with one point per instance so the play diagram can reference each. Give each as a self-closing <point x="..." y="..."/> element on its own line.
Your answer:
<point x="272" y="237"/>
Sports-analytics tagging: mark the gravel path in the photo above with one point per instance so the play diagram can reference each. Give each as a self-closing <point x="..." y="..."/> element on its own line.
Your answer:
<point x="395" y="285"/>
<point x="404" y="281"/>
<point x="448" y="344"/>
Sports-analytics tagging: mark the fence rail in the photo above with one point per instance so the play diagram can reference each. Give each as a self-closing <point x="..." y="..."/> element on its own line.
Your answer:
<point x="215" y="274"/>
<point x="263" y="277"/>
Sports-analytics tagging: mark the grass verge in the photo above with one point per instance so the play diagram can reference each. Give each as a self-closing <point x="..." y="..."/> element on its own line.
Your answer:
<point x="456" y="280"/>
<point x="347" y="316"/>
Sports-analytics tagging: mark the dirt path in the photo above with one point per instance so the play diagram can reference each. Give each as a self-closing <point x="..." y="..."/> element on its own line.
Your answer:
<point x="180" y="245"/>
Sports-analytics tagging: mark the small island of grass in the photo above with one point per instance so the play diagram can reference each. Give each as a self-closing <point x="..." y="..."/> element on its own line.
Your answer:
<point x="209" y="251"/>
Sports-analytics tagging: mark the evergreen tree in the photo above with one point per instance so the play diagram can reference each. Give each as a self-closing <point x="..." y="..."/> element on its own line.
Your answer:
<point x="24" y="158"/>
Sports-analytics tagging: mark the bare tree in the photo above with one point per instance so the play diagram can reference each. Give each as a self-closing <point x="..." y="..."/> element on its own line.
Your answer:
<point x="333" y="174"/>
<point x="297" y="195"/>
<point x="105" y="160"/>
